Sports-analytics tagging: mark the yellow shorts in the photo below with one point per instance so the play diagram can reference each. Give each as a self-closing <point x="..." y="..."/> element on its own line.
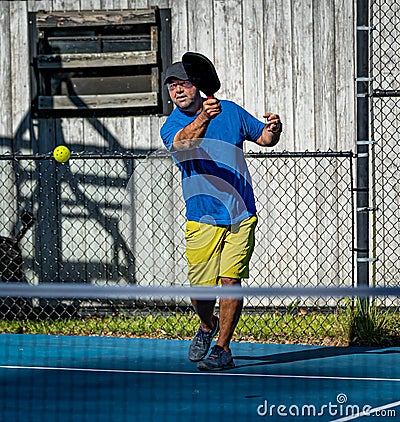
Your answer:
<point x="219" y="251"/>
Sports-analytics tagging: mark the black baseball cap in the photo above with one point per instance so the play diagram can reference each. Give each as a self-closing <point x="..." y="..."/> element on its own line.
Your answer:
<point x="177" y="71"/>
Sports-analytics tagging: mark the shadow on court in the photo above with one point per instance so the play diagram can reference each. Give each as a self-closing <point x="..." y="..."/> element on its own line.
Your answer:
<point x="107" y="379"/>
<point x="303" y="355"/>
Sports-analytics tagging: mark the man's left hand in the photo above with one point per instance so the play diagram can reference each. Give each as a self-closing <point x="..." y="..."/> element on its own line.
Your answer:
<point x="274" y="123"/>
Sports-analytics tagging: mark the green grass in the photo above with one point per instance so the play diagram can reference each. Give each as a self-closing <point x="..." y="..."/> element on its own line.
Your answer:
<point x="348" y="325"/>
<point x="366" y="323"/>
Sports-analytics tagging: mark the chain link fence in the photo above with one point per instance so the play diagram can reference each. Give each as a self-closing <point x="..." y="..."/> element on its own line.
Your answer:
<point x="385" y="125"/>
<point x="119" y="220"/>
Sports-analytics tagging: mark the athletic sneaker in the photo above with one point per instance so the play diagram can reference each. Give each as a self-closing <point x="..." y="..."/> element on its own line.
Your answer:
<point x="217" y="360"/>
<point x="202" y="341"/>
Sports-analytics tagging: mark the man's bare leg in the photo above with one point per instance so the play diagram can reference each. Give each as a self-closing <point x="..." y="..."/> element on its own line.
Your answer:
<point x="205" y="311"/>
<point x="229" y="314"/>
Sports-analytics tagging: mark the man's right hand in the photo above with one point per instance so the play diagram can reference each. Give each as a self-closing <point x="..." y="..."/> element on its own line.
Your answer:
<point x="211" y="107"/>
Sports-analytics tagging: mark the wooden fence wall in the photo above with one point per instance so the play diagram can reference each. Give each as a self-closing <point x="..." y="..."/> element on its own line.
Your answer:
<point x="289" y="56"/>
<point x="293" y="57"/>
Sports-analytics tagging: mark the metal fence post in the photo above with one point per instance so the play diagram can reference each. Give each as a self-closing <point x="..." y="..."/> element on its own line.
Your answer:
<point x="363" y="143"/>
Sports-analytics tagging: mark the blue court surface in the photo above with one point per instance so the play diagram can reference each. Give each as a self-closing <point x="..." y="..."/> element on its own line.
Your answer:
<point x="60" y="378"/>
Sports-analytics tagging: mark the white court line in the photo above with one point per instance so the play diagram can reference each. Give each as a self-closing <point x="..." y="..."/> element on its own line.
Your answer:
<point x="370" y="412"/>
<point x="219" y="374"/>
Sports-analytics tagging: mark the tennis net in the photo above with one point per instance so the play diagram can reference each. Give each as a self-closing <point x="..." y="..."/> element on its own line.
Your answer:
<point x="120" y="362"/>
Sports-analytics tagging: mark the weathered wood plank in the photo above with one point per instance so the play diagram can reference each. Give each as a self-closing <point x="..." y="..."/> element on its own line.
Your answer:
<point x="325" y="75"/>
<point x="200" y="29"/>
<point x="6" y="98"/>
<point x="344" y="73"/>
<point x="326" y="180"/>
<point x="279" y="79"/>
<point x="303" y="75"/>
<point x="139" y="4"/>
<point x="254" y="39"/>
<point x="228" y="33"/>
<point x="39" y="5"/>
<point x="111" y="85"/>
<point x="84" y="60"/>
<point x="92" y="18"/>
<point x="19" y="71"/>
<point x="179" y="29"/>
<point x="90" y="5"/>
<point x="65" y="5"/>
<point x="55" y="102"/>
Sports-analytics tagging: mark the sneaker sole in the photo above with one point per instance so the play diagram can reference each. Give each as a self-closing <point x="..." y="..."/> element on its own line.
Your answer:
<point x="198" y="359"/>
<point x="222" y="368"/>
<point x="216" y="329"/>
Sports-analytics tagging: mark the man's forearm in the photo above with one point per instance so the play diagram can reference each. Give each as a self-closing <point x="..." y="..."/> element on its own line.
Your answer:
<point x="271" y="134"/>
<point x="191" y="135"/>
<point x="268" y="138"/>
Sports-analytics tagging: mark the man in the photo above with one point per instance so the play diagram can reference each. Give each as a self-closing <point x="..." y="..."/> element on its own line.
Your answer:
<point x="205" y="138"/>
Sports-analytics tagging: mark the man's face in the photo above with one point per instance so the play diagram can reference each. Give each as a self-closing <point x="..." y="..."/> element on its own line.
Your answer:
<point x="184" y="94"/>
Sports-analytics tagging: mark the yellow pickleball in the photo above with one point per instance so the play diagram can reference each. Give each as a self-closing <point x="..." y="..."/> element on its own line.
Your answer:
<point x="61" y="154"/>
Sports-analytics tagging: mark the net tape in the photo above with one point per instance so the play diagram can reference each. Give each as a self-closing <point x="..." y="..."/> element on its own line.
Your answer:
<point x="67" y="290"/>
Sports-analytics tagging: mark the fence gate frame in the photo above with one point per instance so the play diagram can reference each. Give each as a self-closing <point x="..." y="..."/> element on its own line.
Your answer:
<point x="363" y="143"/>
<point x="378" y="28"/>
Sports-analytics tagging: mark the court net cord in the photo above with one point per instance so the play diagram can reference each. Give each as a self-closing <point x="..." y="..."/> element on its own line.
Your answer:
<point x="131" y="292"/>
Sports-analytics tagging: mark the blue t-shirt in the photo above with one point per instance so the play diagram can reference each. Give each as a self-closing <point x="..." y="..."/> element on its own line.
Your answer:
<point x="216" y="182"/>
